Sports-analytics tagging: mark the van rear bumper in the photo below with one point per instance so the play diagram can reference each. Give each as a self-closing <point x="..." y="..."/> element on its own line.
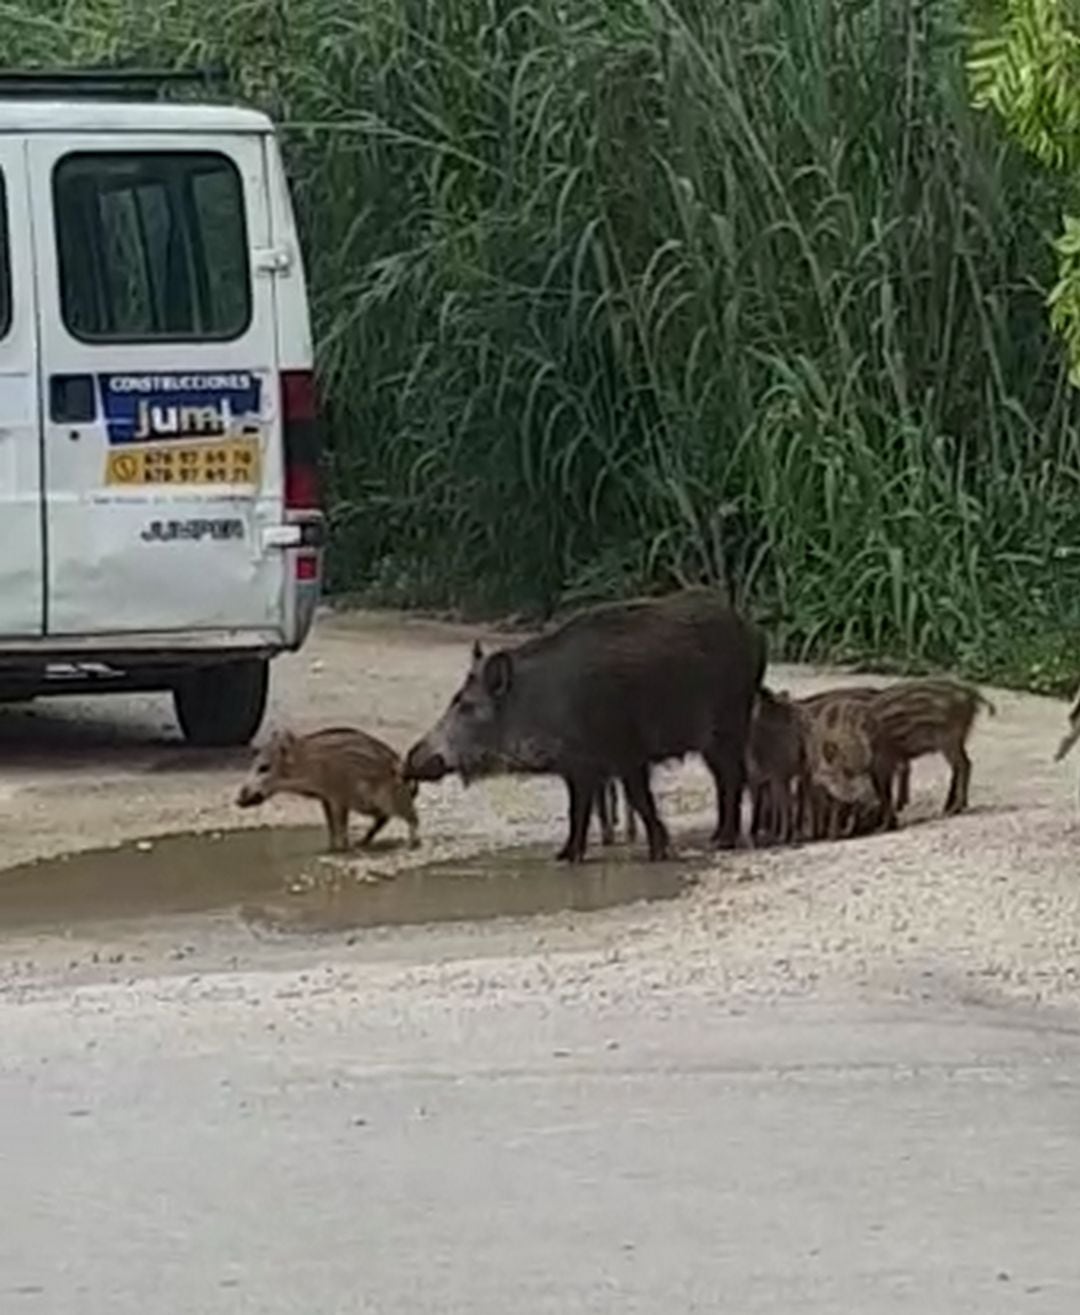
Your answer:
<point x="123" y="663"/>
<point x="210" y="645"/>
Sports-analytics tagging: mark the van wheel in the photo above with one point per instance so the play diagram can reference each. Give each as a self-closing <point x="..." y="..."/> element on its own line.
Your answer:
<point x="222" y="706"/>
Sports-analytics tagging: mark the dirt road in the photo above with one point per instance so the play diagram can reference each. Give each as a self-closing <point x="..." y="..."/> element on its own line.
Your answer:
<point x="978" y="908"/>
<point x="782" y="1090"/>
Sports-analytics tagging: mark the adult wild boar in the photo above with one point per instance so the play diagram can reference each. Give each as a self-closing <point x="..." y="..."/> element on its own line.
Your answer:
<point x="606" y="694"/>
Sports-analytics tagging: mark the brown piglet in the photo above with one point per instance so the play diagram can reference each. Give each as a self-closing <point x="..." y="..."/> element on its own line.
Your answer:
<point x="917" y="717"/>
<point x="774" y="768"/>
<point x="846" y="775"/>
<point x="820" y="707"/>
<point x="346" y="769"/>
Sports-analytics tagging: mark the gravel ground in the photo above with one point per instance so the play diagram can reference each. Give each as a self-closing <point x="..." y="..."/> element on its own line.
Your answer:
<point x="978" y="909"/>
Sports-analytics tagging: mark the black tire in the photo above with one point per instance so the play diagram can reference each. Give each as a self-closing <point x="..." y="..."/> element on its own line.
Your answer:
<point x="222" y="706"/>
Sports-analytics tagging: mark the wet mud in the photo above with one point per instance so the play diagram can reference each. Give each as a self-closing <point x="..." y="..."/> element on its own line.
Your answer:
<point x="282" y="879"/>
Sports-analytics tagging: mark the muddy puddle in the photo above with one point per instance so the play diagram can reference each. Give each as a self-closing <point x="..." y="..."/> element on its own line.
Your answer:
<point x="280" y="879"/>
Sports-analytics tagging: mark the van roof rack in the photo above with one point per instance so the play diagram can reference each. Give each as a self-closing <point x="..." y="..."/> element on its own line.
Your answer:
<point x="110" y="83"/>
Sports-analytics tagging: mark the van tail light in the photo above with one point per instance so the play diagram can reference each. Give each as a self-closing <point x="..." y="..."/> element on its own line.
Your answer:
<point x="302" y="440"/>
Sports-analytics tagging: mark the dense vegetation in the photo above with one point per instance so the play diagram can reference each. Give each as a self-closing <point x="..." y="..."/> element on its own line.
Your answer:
<point x="626" y="291"/>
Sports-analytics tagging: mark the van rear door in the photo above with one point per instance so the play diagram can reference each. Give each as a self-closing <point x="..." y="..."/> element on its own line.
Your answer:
<point x="21" y="565"/>
<point x="162" y="451"/>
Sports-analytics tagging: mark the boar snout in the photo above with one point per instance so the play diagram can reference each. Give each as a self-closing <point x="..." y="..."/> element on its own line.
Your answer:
<point x="850" y="789"/>
<point x="249" y="796"/>
<point x="423" y="764"/>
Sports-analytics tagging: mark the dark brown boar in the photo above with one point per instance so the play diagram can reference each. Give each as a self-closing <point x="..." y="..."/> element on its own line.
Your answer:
<point x="345" y="769"/>
<point x="606" y="694"/>
<point x="774" y="768"/>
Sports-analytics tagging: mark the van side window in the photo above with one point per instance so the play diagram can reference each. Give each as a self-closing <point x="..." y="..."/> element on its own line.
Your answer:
<point x="5" y="262"/>
<point x="151" y="246"/>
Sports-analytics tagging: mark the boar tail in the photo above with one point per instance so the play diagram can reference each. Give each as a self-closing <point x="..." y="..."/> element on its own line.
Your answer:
<point x="1073" y="733"/>
<point x="981" y="701"/>
<point x="1067" y="742"/>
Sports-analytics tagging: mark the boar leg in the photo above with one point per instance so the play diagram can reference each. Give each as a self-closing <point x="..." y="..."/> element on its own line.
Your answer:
<point x="798" y="811"/>
<point x="798" y="803"/>
<point x="961" y="775"/>
<point x="903" y="786"/>
<point x="817" y="803"/>
<point x="776" y="814"/>
<point x="783" y="812"/>
<point x="408" y="813"/>
<point x="881" y="776"/>
<point x="373" y="830"/>
<point x="337" y="823"/>
<point x="813" y="810"/>
<point x="640" y="797"/>
<point x="631" y="818"/>
<point x="830" y="817"/>
<point x="834" y="816"/>
<point x="582" y="792"/>
<point x="757" y="810"/>
<point x="729" y="775"/>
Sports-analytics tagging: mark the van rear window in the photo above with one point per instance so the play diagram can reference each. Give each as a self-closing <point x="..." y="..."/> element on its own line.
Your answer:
<point x="5" y="263"/>
<point x="151" y="246"/>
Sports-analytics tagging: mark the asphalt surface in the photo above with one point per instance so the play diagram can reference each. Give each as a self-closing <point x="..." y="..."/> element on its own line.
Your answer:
<point x="279" y="1143"/>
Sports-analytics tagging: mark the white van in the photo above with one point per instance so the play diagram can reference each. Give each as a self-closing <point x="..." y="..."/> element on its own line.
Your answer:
<point x="158" y="430"/>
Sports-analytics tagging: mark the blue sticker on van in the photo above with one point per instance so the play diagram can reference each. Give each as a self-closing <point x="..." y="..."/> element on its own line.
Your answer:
<point x="156" y="408"/>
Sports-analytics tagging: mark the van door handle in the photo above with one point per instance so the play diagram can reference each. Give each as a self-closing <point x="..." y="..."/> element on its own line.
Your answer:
<point x="272" y="260"/>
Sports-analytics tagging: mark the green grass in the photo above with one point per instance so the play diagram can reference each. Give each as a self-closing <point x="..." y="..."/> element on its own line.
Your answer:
<point x="618" y="294"/>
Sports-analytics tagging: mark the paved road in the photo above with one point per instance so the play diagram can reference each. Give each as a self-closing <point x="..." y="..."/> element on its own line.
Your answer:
<point x="279" y="1143"/>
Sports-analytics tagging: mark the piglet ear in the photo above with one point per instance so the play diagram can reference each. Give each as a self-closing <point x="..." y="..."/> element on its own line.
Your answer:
<point x="477" y="654"/>
<point x="498" y="675"/>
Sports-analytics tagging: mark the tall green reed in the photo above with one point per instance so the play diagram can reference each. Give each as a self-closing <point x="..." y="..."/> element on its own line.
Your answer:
<point x="652" y="290"/>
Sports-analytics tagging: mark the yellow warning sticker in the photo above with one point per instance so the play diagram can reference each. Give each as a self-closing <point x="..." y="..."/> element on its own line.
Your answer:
<point x="233" y="462"/>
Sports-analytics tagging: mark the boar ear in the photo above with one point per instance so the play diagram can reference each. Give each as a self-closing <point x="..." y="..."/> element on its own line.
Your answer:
<point x="477" y="654"/>
<point x="498" y="675"/>
<point x="283" y="739"/>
